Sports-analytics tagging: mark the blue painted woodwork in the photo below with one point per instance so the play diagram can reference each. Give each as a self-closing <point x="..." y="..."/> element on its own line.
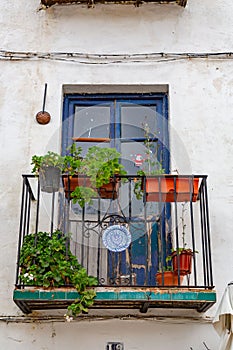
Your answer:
<point x="116" y="101"/>
<point x="121" y="263"/>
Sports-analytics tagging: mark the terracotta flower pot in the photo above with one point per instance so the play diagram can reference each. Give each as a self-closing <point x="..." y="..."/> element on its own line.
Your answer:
<point x="170" y="278"/>
<point x="162" y="189"/>
<point x="71" y="182"/>
<point x="106" y="191"/>
<point x="109" y="190"/>
<point x="182" y="261"/>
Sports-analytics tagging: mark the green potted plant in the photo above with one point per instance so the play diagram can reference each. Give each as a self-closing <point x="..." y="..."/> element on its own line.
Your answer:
<point x="49" y="168"/>
<point x="150" y="167"/>
<point x="74" y="180"/>
<point x="46" y="262"/>
<point x="83" y="178"/>
<point x="182" y="256"/>
<point x="97" y="173"/>
<point x="165" y="188"/>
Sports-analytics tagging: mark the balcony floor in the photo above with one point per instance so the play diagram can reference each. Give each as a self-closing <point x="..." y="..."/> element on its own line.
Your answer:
<point x="32" y="299"/>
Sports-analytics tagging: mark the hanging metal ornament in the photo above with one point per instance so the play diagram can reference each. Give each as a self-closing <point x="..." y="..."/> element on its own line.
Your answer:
<point x="43" y="117"/>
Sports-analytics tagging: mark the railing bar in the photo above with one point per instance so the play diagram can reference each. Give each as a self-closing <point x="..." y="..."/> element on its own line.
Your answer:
<point x="162" y="225"/>
<point x="119" y="256"/>
<point x="130" y="265"/>
<point x="25" y="220"/>
<point x="87" y="251"/>
<point x="161" y="230"/>
<point x="195" y="176"/>
<point x="27" y="183"/>
<point x="144" y="191"/>
<point x="99" y="240"/>
<point x="82" y="244"/>
<point x="177" y="229"/>
<point x="129" y="220"/>
<point x="28" y="216"/>
<point x="66" y="224"/>
<point x="95" y="221"/>
<point x="66" y="214"/>
<point x="76" y="240"/>
<point x="52" y="213"/>
<point x="130" y="194"/>
<point x="37" y="205"/>
<point x="147" y="254"/>
<point x="160" y="192"/>
<point x="20" y="232"/>
<point x="191" y="186"/>
<point x="98" y="257"/>
<point x="139" y="286"/>
<point x="168" y="216"/>
<point x="208" y="232"/>
<point x="193" y="243"/>
<point x="205" y="237"/>
<point x="206" y="281"/>
<point x="86" y="246"/>
<point x="114" y="262"/>
<point x="202" y="232"/>
<point x="146" y="232"/>
<point x="60" y="204"/>
<point x="191" y="189"/>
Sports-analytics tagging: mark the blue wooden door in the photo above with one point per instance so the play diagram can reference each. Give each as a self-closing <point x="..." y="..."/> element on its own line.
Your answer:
<point x="121" y="120"/>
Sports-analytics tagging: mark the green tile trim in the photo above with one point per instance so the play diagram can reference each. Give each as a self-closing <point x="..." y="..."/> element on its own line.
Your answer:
<point x="25" y="294"/>
<point x="119" y="295"/>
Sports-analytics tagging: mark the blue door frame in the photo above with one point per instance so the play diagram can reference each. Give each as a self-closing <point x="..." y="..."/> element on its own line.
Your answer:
<point x="116" y="101"/>
<point x="158" y="102"/>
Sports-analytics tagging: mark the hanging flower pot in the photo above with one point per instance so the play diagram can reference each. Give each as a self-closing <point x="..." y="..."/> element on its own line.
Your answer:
<point x="169" y="188"/>
<point x="106" y="191"/>
<point x="109" y="190"/>
<point x="71" y="182"/>
<point x="182" y="261"/>
<point x="49" y="179"/>
<point x="49" y="169"/>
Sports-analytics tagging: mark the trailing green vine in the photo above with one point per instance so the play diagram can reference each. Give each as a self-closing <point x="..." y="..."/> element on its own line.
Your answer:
<point x="46" y="261"/>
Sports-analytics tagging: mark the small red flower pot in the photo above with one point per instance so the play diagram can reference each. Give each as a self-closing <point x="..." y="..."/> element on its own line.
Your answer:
<point x="182" y="262"/>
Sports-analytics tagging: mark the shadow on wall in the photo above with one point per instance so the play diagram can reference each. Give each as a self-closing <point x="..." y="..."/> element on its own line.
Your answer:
<point x="205" y="347"/>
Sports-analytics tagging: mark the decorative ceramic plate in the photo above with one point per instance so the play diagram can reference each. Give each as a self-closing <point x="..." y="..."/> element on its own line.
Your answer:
<point x="116" y="238"/>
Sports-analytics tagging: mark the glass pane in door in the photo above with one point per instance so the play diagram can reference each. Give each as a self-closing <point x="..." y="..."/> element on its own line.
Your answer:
<point x="138" y="123"/>
<point x="92" y="122"/>
<point x="133" y="119"/>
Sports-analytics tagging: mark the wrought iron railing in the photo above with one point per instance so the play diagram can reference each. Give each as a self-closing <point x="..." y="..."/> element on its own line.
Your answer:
<point x="129" y="240"/>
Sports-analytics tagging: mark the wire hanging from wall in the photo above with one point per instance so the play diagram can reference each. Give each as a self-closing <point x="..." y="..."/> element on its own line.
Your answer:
<point x="121" y="58"/>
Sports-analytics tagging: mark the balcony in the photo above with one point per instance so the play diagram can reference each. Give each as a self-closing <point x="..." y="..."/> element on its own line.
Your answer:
<point x="132" y="265"/>
<point x="91" y="3"/>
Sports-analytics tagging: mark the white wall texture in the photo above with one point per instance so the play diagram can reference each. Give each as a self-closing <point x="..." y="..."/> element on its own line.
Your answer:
<point x="200" y="112"/>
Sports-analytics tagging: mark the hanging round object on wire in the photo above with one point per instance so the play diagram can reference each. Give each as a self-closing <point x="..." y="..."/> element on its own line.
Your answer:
<point x="43" y="117"/>
<point x="116" y="238"/>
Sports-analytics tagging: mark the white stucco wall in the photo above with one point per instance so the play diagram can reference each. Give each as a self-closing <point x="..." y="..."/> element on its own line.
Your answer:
<point x="95" y="335"/>
<point x="200" y="112"/>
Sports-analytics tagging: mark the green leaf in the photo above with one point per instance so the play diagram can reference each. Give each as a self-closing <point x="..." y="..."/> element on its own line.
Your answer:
<point x="45" y="262"/>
